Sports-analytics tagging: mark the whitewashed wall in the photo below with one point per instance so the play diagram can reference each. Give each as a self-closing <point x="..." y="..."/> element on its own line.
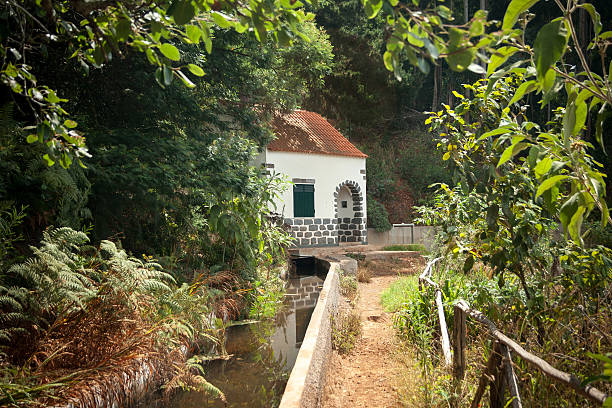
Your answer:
<point x="328" y="172"/>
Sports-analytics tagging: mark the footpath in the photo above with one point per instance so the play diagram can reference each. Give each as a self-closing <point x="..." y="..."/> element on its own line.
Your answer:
<point x="373" y="373"/>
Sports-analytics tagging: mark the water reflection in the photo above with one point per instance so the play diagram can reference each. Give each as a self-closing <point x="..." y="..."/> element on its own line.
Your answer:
<point x="264" y="354"/>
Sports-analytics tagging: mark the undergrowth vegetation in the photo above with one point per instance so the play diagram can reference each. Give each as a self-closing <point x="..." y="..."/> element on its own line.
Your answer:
<point x="70" y="293"/>
<point x="345" y="330"/>
<point x="74" y="314"/>
<point x="348" y="286"/>
<point x="575" y="330"/>
<point x="406" y="247"/>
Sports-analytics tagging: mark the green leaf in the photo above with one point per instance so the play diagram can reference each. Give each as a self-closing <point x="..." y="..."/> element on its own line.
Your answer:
<point x="569" y="121"/>
<point x="185" y="80"/>
<point x="461" y="60"/>
<point x="260" y="30"/>
<point x="221" y="20"/>
<point x="423" y="65"/>
<point x="444" y="12"/>
<point x="32" y="139"/>
<point x="69" y="123"/>
<point x="372" y="7"/>
<point x="576" y="224"/>
<point x="543" y="167"/>
<point x="193" y="33"/>
<point x="48" y="159"/>
<point x="167" y="75"/>
<point x="460" y="52"/>
<point x="550" y="182"/>
<point x="581" y="114"/>
<point x="195" y="70"/>
<point x="515" y="8"/>
<point x="170" y="52"/>
<point x="431" y="48"/>
<point x="512" y="151"/>
<point x="476" y="29"/>
<point x="594" y="16"/>
<point x="208" y="44"/>
<point x="476" y="68"/>
<point x="499" y="131"/>
<point x="549" y="80"/>
<point x="388" y="58"/>
<point x="548" y="47"/>
<point x="605" y="213"/>
<point x="182" y="11"/>
<point x="524" y="88"/>
<point x="601" y="118"/>
<point x="123" y="29"/>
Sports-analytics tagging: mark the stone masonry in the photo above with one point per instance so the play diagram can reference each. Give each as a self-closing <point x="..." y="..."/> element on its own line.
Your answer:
<point x="352" y="229"/>
<point x="313" y="231"/>
<point x="310" y="232"/>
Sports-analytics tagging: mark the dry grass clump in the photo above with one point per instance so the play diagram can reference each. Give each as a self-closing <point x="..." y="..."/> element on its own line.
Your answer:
<point x="348" y="286"/>
<point x="346" y="330"/>
<point x="363" y="274"/>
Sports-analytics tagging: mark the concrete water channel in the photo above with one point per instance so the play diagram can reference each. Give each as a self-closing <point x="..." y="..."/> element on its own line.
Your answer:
<point x="263" y="353"/>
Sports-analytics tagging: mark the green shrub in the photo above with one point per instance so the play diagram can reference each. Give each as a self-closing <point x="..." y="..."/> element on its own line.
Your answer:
<point x="378" y="217"/>
<point x="348" y="286"/>
<point x="346" y="330"/>
<point x="266" y="296"/>
<point x="406" y="247"/>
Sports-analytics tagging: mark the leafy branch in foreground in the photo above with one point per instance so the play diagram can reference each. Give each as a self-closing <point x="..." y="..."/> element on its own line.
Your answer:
<point x="94" y="32"/>
<point x="558" y="155"/>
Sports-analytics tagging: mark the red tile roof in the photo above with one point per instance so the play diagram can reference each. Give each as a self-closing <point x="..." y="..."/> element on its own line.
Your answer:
<point x="308" y="132"/>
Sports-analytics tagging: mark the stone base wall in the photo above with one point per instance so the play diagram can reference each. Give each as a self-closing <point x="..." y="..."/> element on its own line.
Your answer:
<point x="305" y="385"/>
<point x="352" y="230"/>
<point x="313" y="231"/>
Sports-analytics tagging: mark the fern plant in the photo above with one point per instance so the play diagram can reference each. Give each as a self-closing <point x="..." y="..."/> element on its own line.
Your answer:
<point x="85" y="309"/>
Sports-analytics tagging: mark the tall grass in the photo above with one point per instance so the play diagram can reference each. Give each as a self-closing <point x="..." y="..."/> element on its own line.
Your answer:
<point x="570" y="332"/>
<point x="406" y="247"/>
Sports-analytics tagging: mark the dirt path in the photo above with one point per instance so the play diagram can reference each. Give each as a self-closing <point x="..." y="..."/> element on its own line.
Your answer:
<point x="370" y="375"/>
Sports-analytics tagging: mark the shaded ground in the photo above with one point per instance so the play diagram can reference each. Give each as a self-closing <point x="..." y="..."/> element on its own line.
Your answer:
<point x="374" y="373"/>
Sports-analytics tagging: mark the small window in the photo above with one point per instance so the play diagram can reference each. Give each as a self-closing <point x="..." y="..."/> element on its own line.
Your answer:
<point x="303" y="200"/>
<point x="344" y="204"/>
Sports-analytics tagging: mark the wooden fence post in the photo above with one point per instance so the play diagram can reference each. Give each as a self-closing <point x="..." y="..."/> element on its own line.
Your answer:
<point x="497" y="387"/>
<point x="459" y="329"/>
<point x="492" y="364"/>
<point x="511" y="378"/>
<point x="443" y="329"/>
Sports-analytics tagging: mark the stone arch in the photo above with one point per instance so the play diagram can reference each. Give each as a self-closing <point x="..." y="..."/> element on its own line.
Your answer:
<point x="351" y="229"/>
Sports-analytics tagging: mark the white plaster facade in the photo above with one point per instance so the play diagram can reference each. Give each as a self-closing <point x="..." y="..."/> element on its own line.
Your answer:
<point x="335" y="178"/>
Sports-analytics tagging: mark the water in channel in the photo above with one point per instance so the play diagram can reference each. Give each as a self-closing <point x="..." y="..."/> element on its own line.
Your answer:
<point x="263" y="353"/>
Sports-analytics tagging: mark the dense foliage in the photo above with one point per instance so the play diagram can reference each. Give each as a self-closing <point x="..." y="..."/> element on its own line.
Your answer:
<point x="523" y="185"/>
<point x="165" y="171"/>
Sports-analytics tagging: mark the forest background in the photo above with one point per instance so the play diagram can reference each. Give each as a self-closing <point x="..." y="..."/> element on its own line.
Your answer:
<point x="165" y="172"/>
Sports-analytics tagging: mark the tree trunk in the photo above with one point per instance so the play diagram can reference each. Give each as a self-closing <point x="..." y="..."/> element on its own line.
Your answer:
<point x="435" y="100"/>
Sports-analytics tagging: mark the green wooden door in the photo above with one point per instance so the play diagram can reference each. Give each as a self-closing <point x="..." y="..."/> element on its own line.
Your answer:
<point x="303" y="200"/>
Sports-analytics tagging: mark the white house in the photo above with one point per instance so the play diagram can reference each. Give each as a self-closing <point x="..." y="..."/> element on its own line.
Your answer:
<point x="326" y="204"/>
